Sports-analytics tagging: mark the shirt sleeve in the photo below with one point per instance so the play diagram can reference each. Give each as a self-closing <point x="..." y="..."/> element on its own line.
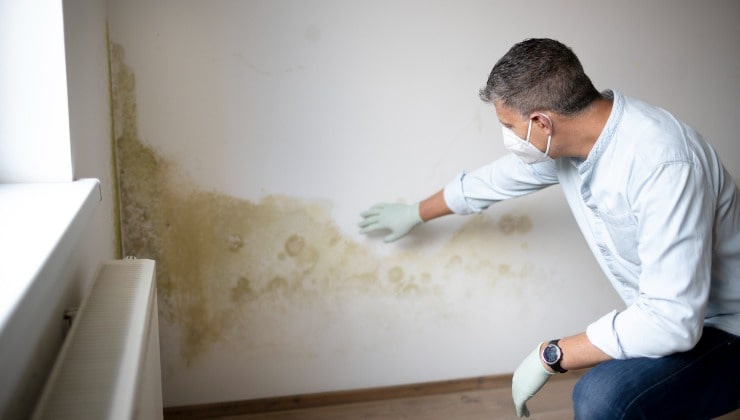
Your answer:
<point x="506" y="177"/>
<point x="674" y="209"/>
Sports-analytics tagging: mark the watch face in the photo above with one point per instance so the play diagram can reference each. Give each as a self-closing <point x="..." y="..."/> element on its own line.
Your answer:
<point x="551" y="354"/>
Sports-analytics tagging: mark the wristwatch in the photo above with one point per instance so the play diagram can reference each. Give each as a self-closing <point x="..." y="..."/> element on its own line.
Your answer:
<point x="552" y="355"/>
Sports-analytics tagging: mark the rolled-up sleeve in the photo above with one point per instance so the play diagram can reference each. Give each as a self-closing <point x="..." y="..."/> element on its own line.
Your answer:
<point x="506" y="177"/>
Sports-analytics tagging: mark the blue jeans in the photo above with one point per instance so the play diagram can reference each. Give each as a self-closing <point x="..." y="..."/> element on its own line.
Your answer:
<point x="701" y="383"/>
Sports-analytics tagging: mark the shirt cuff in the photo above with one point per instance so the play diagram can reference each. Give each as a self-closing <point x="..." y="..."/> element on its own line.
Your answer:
<point x="454" y="196"/>
<point x="602" y="334"/>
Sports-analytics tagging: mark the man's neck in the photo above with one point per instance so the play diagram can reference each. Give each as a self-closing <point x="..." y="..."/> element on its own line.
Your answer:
<point x="583" y="130"/>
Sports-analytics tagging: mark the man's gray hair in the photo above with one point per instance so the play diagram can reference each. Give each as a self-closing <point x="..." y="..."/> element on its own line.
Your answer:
<point x="540" y="75"/>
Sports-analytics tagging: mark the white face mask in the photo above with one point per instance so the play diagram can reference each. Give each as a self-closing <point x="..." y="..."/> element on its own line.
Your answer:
<point x="524" y="149"/>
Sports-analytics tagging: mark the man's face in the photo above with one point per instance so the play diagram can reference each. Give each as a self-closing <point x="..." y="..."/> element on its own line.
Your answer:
<point x="514" y="121"/>
<point x="511" y="119"/>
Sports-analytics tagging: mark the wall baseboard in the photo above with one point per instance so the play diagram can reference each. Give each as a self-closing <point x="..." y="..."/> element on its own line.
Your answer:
<point x="293" y="402"/>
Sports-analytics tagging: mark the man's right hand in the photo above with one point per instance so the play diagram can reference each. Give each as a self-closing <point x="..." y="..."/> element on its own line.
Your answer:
<point x="398" y="218"/>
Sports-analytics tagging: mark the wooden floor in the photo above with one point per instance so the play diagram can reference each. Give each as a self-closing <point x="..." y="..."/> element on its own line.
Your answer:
<point x="553" y="402"/>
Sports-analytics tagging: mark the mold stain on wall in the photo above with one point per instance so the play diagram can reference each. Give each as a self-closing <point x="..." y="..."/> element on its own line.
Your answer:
<point x="225" y="263"/>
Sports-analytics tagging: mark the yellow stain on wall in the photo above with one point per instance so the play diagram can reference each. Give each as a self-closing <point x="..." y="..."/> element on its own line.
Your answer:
<point x="224" y="262"/>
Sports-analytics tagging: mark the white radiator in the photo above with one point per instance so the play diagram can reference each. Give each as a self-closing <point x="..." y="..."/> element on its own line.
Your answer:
<point x="108" y="367"/>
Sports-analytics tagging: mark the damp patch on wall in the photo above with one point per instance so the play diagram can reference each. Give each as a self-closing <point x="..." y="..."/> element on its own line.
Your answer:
<point x="223" y="262"/>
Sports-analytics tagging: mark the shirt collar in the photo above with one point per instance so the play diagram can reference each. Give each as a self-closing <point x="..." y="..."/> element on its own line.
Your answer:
<point x="605" y="138"/>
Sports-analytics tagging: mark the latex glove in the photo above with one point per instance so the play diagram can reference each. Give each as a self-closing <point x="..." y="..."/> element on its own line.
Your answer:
<point x="529" y="378"/>
<point x="398" y="218"/>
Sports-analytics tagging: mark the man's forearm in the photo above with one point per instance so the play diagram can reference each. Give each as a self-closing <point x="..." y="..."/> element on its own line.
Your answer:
<point x="433" y="207"/>
<point x="579" y="353"/>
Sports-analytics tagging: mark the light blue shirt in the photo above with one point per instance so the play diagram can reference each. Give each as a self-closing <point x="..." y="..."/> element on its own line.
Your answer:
<point x="660" y="213"/>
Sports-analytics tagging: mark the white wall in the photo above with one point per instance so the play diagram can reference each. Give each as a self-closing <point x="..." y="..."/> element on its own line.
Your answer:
<point x="91" y="143"/>
<point x="296" y="116"/>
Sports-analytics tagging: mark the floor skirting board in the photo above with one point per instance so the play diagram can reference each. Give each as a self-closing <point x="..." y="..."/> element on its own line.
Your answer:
<point x="266" y="405"/>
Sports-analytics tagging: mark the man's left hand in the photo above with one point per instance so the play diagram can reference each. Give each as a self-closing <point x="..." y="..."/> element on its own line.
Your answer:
<point x="529" y="378"/>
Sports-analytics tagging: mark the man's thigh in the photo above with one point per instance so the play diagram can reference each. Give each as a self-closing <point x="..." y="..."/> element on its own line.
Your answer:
<point x="699" y="384"/>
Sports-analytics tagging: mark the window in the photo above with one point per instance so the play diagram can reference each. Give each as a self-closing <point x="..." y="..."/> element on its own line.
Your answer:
<point x="34" y="116"/>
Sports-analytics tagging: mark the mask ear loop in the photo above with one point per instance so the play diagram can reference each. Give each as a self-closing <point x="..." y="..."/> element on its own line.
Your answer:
<point x="547" y="149"/>
<point x="529" y="130"/>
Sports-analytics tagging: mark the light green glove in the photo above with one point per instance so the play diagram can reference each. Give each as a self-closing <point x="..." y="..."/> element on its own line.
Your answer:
<point x="398" y="218"/>
<point x="529" y="378"/>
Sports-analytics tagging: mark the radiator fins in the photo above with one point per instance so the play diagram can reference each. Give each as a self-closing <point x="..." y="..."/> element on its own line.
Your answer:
<point x="107" y="362"/>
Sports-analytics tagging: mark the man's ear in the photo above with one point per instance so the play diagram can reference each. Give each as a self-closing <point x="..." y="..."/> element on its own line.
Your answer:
<point x="542" y="121"/>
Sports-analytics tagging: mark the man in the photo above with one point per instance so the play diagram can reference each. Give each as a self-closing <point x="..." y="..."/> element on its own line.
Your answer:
<point x="660" y="213"/>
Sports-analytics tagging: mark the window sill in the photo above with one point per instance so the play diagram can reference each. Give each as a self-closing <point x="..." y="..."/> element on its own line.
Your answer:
<point x="39" y="226"/>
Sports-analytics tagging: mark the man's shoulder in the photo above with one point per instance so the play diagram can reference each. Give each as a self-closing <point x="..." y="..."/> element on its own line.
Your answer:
<point x="653" y="134"/>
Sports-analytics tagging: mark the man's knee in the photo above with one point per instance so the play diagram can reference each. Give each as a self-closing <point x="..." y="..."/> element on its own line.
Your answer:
<point x="595" y="397"/>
